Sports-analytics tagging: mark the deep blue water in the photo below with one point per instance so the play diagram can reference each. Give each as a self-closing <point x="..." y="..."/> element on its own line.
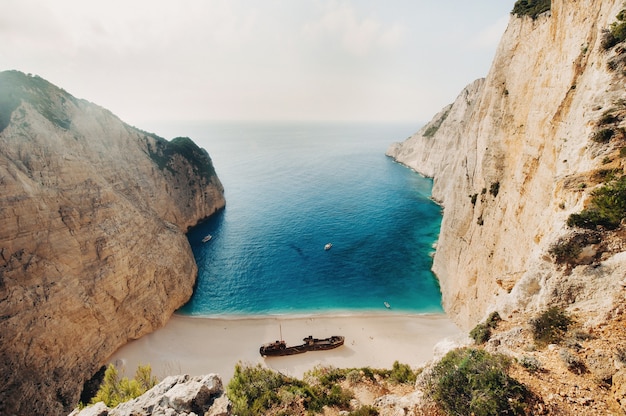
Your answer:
<point x="290" y="189"/>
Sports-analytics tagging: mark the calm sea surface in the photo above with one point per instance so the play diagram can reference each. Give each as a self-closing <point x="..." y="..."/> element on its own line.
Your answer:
<point x="290" y="189"/>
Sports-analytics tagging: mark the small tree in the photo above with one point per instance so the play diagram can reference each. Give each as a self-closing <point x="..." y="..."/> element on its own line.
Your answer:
<point x="402" y="373"/>
<point x="114" y="390"/>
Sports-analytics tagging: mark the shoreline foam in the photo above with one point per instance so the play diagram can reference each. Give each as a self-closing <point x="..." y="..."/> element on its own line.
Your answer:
<point x="197" y="345"/>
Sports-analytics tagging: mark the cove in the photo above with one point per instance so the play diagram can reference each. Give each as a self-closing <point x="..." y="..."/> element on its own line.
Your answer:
<point x="290" y="189"/>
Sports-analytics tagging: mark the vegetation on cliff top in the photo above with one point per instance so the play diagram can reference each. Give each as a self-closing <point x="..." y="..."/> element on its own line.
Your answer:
<point x="260" y="391"/>
<point x="532" y="8"/>
<point x="163" y="152"/>
<point x="47" y="99"/>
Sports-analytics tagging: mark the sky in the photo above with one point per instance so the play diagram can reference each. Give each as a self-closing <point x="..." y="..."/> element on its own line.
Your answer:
<point x="265" y="60"/>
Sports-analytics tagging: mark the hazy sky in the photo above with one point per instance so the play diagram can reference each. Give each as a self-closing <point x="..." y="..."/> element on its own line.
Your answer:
<point x="147" y="60"/>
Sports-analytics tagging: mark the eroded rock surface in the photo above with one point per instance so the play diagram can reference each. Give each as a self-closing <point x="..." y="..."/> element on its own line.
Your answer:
<point x="514" y="156"/>
<point x="176" y="395"/>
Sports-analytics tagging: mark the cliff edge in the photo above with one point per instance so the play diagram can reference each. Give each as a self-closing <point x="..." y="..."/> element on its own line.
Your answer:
<point x="93" y="252"/>
<point x="515" y="155"/>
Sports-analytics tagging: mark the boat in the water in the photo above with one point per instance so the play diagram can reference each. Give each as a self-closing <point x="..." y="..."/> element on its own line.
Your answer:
<point x="328" y="246"/>
<point x="387" y="305"/>
<point x="207" y="238"/>
<point x="278" y="348"/>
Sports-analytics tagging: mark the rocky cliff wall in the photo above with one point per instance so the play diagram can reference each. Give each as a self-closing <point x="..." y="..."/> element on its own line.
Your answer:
<point x="513" y="157"/>
<point x="93" y="252"/>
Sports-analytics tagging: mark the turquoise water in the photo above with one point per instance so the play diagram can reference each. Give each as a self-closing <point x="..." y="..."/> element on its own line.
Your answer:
<point x="290" y="189"/>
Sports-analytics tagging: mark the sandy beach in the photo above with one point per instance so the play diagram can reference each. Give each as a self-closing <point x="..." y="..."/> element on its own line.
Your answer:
<point x="195" y="346"/>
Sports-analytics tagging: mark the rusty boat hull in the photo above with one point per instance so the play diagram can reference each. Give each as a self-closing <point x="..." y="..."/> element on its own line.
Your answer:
<point x="280" y="348"/>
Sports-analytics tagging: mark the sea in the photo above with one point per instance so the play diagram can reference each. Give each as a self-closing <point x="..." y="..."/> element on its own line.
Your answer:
<point x="291" y="188"/>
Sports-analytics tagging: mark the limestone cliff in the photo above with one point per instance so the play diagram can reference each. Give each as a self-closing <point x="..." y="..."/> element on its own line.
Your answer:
<point x="515" y="155"/>
<point x="93" y="252"/>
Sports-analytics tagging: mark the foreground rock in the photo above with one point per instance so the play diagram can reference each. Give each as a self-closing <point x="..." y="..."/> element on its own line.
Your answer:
<point x="176" y="395"/>
<point x="93" y="252"/>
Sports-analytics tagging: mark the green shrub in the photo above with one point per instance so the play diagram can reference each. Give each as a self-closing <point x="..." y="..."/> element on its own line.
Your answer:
<point x="609" y="117"/>
<point x="471" y="381"/>
<point x="254" y="390"/>
<point x="565" y="251"/>
<point x="530" y="363"/>
<point x="603" y="136"/>
<point x="493" y="319"/>
<point x="257" y="390"/>
<point x="482" y="332"/>
<point x="609" y="175"/>
<point x="616" y="33"/>
<point x="114" y="390"/>
<point x="550" y="326"/>
<point x="402" y="374"/>
<point x="618" y="28"/>
<point x="494" y="189"/>
<point x="607" y="208"/>
<point x="354" y="376"/>
<point x="607" y="40"/>
<point x="365" y="411"/>
<point x="532" y="8"/>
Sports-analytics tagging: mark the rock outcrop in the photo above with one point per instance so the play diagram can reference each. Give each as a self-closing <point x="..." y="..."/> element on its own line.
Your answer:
<point x="514" y="156"/>
<point x="175" y="395"/>
<point x="93" y="252"/>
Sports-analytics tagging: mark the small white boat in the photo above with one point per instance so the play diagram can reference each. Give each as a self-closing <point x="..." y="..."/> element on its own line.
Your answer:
<point x="207" y="238"/>
<point x="387" y="305"/>
<point x="328" y="246"/>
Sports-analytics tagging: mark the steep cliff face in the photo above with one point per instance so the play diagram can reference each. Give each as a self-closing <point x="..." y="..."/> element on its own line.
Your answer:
<point x="513" y="157"/>
<point x="93" y="253"/>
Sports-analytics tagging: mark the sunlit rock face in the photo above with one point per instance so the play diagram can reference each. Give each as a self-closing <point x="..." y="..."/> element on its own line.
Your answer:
<point x="93" y="252"/>
<point x="513" y="157"/>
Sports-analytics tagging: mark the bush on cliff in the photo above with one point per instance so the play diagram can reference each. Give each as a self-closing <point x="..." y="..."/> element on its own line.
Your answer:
<point x="473" y="381"/>
<point x="566" y="250"/>
<point x="163" y="152"/>
<point x="607" y="207"/>
<point x="255" y="390"/>
<point x="258" y="391"/>
<point x="550" y="326"/>
<point x="532" y="8"/>
<point x="482" y="332"/>
<point x="616" y="33"/>
<point x="114" y="390"/>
